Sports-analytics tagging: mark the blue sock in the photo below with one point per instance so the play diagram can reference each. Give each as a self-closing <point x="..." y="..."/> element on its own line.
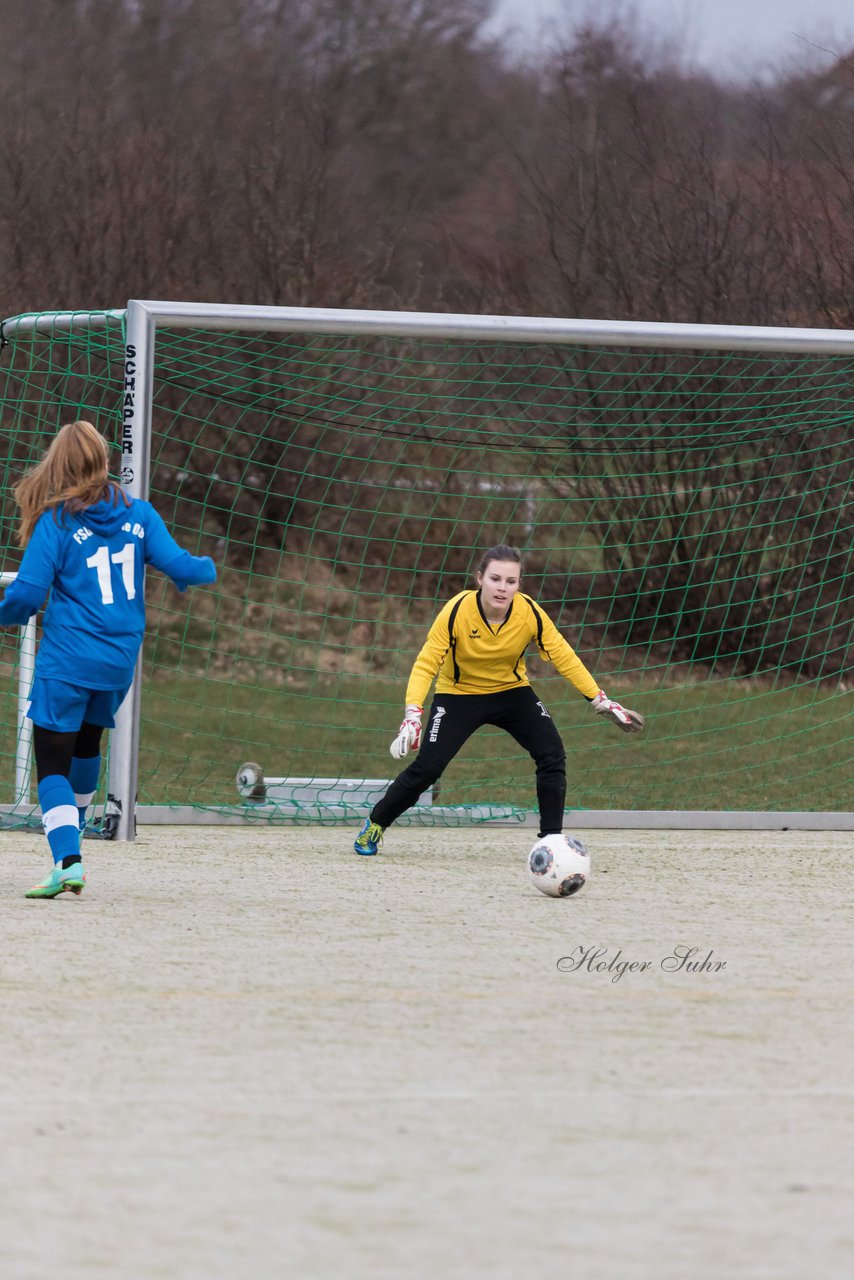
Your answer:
<point x="60" y="817"/>
<point x="83" y="777"/>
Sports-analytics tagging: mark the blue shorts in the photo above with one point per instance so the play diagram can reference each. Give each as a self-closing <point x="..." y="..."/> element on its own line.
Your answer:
<point x="64" y="707"/>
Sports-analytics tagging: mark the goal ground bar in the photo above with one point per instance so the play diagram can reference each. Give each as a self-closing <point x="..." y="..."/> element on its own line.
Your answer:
<point x="444" y="816"/>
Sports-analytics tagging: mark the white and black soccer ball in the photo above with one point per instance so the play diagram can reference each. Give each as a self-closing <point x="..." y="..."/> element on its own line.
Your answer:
<point x="558" y="866"/>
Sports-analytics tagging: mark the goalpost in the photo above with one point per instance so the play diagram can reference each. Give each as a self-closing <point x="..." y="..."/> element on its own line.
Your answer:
<point x="682" y="494"/>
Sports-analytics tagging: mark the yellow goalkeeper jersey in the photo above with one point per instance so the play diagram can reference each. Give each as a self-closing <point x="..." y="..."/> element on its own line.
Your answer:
<point x="468" y="655"/>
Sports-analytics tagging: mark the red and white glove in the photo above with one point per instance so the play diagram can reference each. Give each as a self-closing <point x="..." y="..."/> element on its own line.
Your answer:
<point x="628" y="721"/>
<point x="409" y="736"/>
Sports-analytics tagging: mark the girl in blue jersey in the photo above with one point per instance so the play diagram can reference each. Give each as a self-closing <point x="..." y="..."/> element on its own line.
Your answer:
<point x="87" y="543"/>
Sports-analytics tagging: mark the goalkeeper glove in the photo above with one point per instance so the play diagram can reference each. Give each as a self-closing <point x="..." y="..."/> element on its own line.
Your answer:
<point x="628" y="721"/>
<point x="409" y="737"/>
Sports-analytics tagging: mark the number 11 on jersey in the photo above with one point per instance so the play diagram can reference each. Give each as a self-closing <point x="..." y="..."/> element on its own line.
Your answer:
<point x="100" y="562"/>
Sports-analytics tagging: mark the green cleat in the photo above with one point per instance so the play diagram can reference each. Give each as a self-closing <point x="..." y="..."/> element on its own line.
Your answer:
<point x="368" y="840"/>
<point x="61" y="880"/>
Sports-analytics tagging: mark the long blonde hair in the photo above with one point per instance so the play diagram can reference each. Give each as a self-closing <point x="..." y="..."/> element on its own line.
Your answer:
<point x="71" y="475"/>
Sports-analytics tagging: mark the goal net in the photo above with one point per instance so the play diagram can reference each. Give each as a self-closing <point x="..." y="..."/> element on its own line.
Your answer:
<point x="685" y="512"/>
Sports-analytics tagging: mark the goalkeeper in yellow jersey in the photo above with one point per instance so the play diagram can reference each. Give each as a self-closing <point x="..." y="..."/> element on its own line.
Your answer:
<point x="475" y="650"/>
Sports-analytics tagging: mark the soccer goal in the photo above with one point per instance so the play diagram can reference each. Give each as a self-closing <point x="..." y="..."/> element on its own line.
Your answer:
<point x="682" y="495"/>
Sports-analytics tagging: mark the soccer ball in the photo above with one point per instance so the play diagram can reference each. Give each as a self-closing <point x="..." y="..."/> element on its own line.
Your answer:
<point x="558" y="866"/>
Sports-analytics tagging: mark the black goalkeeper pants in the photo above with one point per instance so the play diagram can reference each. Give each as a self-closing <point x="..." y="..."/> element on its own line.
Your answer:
<point x="452" y="719"/>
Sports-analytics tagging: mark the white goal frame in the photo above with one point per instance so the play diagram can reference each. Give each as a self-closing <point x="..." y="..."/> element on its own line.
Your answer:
<point x="24" y="735"/>
<point x="143" y="318"/>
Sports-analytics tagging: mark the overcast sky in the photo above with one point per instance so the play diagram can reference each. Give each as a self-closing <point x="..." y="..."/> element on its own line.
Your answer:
<point x="729" y="37"/>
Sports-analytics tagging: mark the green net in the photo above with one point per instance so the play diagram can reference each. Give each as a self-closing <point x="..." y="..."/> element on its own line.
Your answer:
<point x="686" y="519"/>
<point x="74" y="368"/>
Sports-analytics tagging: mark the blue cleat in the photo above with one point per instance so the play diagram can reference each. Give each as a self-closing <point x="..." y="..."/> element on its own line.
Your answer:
<point x="369" y="838"/>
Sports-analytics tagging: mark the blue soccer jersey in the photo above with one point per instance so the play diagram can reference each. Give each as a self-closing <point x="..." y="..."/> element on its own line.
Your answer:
<point x="92" y="563"/>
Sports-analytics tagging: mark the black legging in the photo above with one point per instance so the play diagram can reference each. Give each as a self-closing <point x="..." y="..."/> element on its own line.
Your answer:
<point x="54" y="751"/>
<point x="452" y="719"/>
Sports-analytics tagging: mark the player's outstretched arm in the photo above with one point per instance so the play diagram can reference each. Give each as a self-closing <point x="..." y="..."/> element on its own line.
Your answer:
<point x="421" y="677"/>
<point x="628" y="721"/>
<point x="26" y="593"/>
<point x="20" y="602"/>
<point x="190" y="571"/>
<point x="164" y="553"/>
<point x="554" y="646"/>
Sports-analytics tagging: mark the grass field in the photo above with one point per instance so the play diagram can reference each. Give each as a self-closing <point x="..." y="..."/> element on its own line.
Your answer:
<point x="251" y="1053"/>
<point x="718" y="745"/>
<point x="722" y="744"/>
